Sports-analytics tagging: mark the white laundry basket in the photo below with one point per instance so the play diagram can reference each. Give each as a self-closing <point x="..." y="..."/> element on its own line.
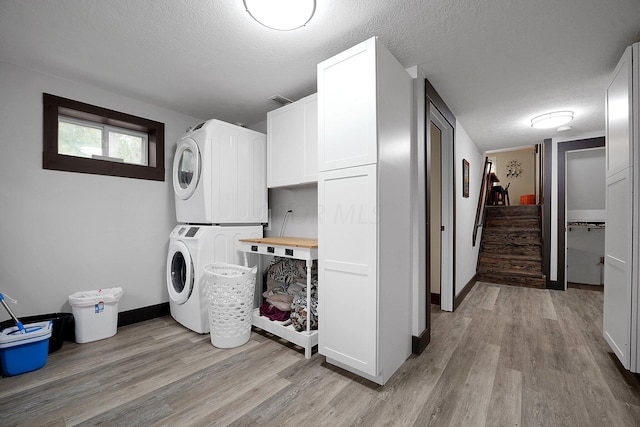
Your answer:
<point x="229" y="291"/>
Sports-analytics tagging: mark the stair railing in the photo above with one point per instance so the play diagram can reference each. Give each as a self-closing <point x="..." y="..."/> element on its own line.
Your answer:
<point x="483" y="198"/>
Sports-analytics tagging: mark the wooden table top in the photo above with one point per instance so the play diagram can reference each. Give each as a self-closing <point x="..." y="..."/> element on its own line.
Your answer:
<point x="299" y="242"/>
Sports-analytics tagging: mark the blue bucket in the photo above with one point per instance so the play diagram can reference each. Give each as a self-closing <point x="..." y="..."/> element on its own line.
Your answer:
<point x="26" y="351"/>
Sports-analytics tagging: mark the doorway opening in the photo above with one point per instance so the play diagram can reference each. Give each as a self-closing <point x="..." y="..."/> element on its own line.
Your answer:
<point x="440" y="210"/>
<point x="568" y="212"/>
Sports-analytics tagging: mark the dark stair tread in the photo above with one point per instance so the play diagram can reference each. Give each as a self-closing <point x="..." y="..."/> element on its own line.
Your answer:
<point x="513" y="257"/>
<point x="523" y="274"/>
<point x="503" y="230"/>
<point x="511" y="219"/>
<point x="514" y="273"/>
<point x="519" y="223"/>
<point x="511" y="244"/>
<point x="504" y="208"/>
<point x="511" y="225"/>
<point x="532" y="238"/>
<point x="513" y="214"/>
<point x="506" y="232"/>
<point x="511" y="228"/>
<point x="534" y="255"/>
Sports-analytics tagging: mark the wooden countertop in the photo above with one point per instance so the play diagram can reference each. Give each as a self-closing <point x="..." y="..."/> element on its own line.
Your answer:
<point x="299" y="242"/>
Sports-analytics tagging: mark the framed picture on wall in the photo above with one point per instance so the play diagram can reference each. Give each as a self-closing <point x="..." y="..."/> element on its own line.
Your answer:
<point x="465" y="178"/>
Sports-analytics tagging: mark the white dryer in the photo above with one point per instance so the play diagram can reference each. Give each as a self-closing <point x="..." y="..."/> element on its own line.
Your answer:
<point x="219" y="175"/>
<point x="190" y="249"/>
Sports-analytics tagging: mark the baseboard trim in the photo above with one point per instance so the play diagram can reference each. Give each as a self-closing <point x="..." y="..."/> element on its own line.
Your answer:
<point x="435" y="299"/>
<point x="418" y="344"/>
<point x="462" y="295"/>
<point x="137" y="315"/>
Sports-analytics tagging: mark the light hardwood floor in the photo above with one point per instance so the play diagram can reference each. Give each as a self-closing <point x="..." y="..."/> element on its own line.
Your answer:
<point x="508" y="356"/>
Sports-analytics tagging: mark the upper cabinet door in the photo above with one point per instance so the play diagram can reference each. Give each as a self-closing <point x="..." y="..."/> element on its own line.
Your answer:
<point x="347" y="126"/>
<point x="285" y="133"/>
<point x="618" y="124"/>
<point x="292" y="140"/>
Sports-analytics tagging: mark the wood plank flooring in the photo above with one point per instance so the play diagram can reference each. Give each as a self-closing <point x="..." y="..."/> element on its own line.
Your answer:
<point x="509" y="356"/>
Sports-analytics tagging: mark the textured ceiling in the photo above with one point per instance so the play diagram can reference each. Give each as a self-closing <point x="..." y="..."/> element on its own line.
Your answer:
<point x="496" y="63"/>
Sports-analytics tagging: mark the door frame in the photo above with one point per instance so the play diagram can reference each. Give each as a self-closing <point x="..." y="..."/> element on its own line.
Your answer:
<point x="447" y="285"/>
<point x="563" y="147"/>
<point x="430" y="97"/>
<point x="434" y="106"/>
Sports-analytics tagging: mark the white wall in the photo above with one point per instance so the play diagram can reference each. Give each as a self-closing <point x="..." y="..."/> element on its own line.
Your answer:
<point x="64" y="232"/>
<point x="520" y="185"/>
<point x="466" y="254"/>
<point x="303" y="221"/>
<point x="586" y="185"/>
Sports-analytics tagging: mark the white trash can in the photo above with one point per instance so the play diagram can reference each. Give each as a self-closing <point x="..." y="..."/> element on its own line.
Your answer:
<point x="95" y="313"/>
<point x="229" y="291"/>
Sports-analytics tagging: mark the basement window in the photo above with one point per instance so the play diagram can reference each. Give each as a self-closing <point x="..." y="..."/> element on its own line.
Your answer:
<point x="85" y="138"/>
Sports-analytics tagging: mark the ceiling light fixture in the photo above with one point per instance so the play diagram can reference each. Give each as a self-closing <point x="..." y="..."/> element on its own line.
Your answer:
<point x="552" y="120"/>
<point x="283" y="15"/>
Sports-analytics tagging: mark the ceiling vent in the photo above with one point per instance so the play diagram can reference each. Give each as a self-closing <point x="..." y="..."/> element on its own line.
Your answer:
<point x="281" y="99"/>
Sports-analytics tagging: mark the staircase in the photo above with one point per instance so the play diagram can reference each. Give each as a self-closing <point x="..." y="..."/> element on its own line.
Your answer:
<point x="511" y="247"/>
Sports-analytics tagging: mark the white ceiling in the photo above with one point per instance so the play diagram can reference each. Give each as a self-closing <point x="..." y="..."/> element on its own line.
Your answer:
<point x="496" y="63"/>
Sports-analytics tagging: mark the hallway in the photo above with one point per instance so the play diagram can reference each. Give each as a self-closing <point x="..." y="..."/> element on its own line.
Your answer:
<point x="534" y="357"/>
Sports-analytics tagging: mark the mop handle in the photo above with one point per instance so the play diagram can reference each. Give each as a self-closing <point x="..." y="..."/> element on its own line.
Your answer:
<point x="15" y="319"/>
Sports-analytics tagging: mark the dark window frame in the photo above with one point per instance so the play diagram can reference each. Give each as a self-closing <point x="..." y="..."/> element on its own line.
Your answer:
<point x="53" y="106"/>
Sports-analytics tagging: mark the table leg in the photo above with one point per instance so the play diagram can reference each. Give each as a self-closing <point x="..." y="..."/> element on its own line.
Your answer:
<point x="307" y="350"/>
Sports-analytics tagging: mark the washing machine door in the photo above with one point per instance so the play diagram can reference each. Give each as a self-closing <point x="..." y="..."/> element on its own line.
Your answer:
<point x="180" y="277"/>
<point x="186" y="168"/>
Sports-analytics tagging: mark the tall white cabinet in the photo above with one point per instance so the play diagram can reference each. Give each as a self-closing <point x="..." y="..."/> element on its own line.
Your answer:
<point x="364" y="113"/>
<point x="622" y="235"/>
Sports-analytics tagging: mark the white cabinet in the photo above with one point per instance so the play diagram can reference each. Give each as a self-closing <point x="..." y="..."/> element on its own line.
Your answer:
<point x="364" y="235"/>
<point x="621" y="323"/>
<point x="348" y="258"/>
<point x="292" y="143"/>
<point x="347" y="108"/>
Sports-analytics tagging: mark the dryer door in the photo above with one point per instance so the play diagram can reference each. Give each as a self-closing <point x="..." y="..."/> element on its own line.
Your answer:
<point x="180" y="277"/>
<point x="186" y="168"/>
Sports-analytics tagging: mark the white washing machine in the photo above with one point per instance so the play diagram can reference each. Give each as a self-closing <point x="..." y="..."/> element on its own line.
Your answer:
<point x="220" y="175"/>
<point x="190" y="249"/>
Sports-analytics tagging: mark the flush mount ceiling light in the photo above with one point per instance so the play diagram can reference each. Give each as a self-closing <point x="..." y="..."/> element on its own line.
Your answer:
<point x="283" y="15"/>
<point x="552" y="120"/>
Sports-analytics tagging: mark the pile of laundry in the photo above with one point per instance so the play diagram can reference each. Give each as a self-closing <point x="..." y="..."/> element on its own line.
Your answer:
<point x="286" y="294"/>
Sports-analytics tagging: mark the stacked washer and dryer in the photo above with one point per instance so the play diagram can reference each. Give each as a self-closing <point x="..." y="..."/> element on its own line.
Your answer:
<point x="220" y="185"/>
